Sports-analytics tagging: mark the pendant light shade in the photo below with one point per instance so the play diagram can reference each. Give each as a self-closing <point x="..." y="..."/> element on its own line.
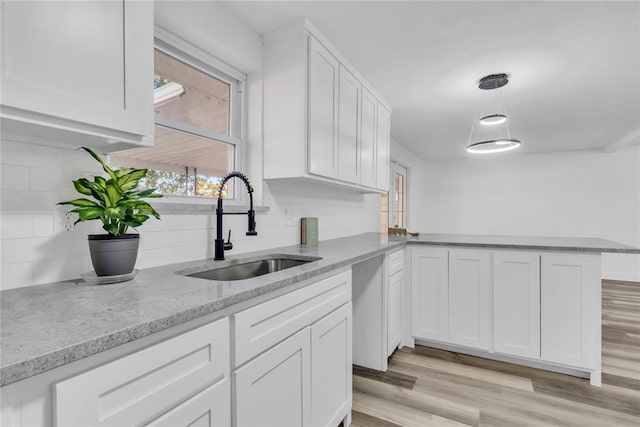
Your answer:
<point x="493" y="146"/>
<point x="493" y="119"/>
<point x="498" y="121"/>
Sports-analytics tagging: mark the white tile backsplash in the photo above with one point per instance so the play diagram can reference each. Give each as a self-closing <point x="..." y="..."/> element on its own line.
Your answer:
<point x="37" y="249"/>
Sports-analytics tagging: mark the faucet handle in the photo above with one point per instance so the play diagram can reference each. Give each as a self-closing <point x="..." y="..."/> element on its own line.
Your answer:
<point x="228" y="245"/>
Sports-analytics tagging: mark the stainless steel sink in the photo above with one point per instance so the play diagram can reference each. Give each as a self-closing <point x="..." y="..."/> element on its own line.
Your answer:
<point x="249" y="269"/>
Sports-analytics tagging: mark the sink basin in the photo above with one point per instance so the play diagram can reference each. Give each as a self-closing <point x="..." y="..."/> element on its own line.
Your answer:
<point x="249" y="269"/>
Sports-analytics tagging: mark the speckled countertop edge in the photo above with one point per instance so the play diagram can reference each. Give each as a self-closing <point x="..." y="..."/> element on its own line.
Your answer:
<point x="211" y="296"/>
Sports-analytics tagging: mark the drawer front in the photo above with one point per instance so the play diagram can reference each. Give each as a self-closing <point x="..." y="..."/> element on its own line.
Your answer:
<point x="262" y="326"/>
<point x="395" y="262"/>
<point x="209" y="408"/>
<point x="135" y="389"/>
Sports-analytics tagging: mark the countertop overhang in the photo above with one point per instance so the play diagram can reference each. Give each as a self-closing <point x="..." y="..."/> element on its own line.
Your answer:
<point x="47" y="326"/>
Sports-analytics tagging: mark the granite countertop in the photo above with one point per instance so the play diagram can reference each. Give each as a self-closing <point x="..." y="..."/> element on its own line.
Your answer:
<point x="577" y="244"/>
<point x="47" y="326"/>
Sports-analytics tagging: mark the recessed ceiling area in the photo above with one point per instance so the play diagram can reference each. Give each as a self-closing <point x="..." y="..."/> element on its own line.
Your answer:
<point x="574" y="67"/>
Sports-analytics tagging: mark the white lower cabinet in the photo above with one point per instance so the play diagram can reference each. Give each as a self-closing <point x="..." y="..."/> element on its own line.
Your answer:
<point x="294" y="354"/>
<point x="274" y="389"/>
<point x="543" y="307"/>
<point x="470" y="298"/>
<point x="516" y="303"/>
<point x="137" y="389"/>
<point x="395" y="280"/>
<point x="570" y="309"/>
<point x="430" y="293"/>
<point x="331" y="368"/>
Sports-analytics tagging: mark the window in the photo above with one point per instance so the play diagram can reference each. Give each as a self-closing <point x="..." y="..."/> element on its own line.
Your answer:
<point x="197" y="129"/>
<point x="393" y="205"/>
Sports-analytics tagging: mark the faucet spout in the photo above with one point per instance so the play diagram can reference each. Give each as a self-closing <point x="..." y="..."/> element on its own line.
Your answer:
<point x="251" y="214"/>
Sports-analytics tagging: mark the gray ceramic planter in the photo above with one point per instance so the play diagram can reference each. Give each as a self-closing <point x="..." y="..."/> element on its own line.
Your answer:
<point x="113" y="255"/>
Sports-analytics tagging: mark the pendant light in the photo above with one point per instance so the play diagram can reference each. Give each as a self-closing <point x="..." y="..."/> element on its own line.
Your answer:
<point x="503" y="141"/>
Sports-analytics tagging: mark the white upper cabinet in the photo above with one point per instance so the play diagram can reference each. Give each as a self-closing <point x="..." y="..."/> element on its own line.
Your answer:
<point x="323" y="107"/>
<point x="78" y="71"/>
<point x="382" y="148"/>
<point x="349" y="127"/>
<point x="368" y="132"/>
<point x="322" y="121"/>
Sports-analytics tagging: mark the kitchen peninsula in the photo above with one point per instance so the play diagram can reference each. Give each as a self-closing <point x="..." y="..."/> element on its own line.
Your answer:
<point x="495" y="296"/>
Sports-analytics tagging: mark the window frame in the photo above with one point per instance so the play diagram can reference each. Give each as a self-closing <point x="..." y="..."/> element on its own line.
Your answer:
<point x="183" y="51"/>
<point x="395" y="167"/>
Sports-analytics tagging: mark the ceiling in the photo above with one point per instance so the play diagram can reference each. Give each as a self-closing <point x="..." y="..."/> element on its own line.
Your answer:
<point x="574" y="66"/>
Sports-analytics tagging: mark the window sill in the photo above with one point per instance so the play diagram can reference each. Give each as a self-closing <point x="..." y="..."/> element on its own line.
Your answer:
<point x="176" y="205"/>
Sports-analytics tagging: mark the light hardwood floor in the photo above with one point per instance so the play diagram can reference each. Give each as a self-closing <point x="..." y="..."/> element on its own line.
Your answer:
<point x="428" y="387"/>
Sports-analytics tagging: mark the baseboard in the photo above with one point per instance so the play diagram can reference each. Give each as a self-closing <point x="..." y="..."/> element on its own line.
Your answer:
<point x="622" y="276"/>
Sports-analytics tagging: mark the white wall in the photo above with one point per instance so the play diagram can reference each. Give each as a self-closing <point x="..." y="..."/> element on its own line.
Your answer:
<point x="36" y="249"/>
<point x="575" y="194"/>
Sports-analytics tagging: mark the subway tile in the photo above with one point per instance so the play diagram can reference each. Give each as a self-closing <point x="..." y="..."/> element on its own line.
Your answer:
<point x="28" y="201"/>
<point x="15" y="177"/>
<point x="19" y="153"/>
<point x="23" y="250"/>
<point x="54" y="270"/>
<point x="48" y="180"/>
<point x="42" y="225"/>
<point x="16" y="275"/>
<point x="15" y="226"/>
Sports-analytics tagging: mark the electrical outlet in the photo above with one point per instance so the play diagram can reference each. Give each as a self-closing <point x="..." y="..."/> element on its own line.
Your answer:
<point x="290" y="218"/>
<point x="68" y="222"/>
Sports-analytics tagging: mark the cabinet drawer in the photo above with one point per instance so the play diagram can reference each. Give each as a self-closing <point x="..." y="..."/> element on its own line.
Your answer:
<point x="211" y="407"/>
<point x="395" y="262"/>
<point x="137" y="388"/>
<point x="262" y="326"/>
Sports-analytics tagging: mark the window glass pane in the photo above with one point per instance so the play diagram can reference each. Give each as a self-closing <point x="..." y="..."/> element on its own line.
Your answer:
<point x="384" y="213"/>
<point x="180" y="163"/>
<point x="188" y="95"/>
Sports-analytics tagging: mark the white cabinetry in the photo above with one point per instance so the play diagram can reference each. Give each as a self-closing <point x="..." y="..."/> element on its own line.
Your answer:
<point x="383" y="142"/>
<point x="304" y="376"/>
<point x="430" y="293"/>
<point x="395" y="280"/>
<point x="274" y="389"/>
<point x="136" y="389"/>
<point x="322" y="121"/>
<point x="331" y="368"/>
<point x="570" y="309"/>
<point x="349" y="127"/>
<point x="368" y="136"/>
<point x="78" y="72"/>
<point x="323" y="107"/>
<point x="516" y="303"/>
<point x="470" y="298"/>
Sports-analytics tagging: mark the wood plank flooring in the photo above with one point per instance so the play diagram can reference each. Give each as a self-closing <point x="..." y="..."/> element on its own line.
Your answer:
<point x="429" y="387"/>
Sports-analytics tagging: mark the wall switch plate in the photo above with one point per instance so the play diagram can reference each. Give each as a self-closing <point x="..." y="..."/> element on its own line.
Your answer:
<point x="290" y="218"/>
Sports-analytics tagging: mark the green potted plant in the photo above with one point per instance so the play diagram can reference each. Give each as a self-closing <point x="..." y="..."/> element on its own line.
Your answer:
<point x="119" y="204"/>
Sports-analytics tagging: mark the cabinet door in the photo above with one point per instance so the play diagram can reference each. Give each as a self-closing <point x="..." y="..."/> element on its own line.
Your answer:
<point x="516" y="303"/>
<point x="470" y="304"/>
<point x="349" y="127"/>
<point x="138" y="388"/>
<point x="383" y="140"/>
<point x="394" y="334"/>
<point x="211" y="407"/>
<point x="274" y="389"/>
<point x="570" y="309"/>
<point x="82" y="62"/>
<point x="368" y="139"/>
<point x="331" y="367"/>
<point x="322" y="111"/>
<point x="429" y="293"/>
